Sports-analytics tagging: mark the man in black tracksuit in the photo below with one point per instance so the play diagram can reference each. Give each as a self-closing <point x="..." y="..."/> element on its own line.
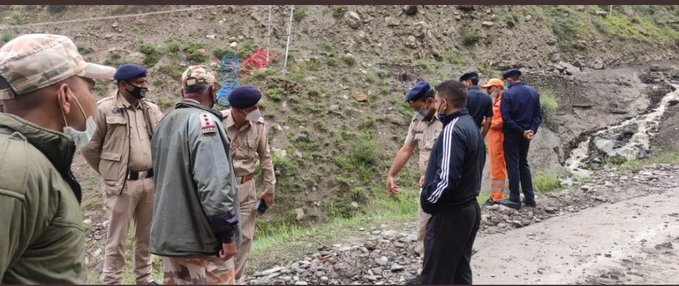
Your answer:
<point x="521" y="115"/>
<point x="452" y="182"/>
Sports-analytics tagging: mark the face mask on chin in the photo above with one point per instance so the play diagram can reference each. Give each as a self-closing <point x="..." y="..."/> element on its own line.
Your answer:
<point x="138" y="92"/>
<point x="81" y="138"/>
<point x="422" y="113"/>
<point x="253" y="115"/>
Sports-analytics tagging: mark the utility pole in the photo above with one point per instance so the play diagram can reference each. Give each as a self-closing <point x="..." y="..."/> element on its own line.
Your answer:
<point x="287" y="46"/>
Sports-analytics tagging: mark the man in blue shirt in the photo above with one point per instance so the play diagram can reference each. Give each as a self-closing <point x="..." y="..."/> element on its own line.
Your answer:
<point x="479" y="103"/>
<point x="522" y="116"/>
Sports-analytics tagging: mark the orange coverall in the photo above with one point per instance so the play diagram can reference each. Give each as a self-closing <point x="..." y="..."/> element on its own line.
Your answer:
<point x="498" y="169"/>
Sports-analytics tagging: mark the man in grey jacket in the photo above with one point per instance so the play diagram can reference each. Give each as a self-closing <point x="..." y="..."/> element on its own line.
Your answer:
<point x="195" y="221"/>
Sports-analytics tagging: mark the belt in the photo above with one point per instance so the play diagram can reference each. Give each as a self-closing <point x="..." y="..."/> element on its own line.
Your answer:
<point x="246" y="178"/>
<point x="134" y="175"/>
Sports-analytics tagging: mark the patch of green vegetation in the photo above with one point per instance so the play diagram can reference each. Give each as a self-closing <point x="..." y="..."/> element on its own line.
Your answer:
<point x="638" y="28"/>
<point x="171" y="70"/>
<point x="338" y="11"/>
<point x="469" y="36"/>
<point x="113" y="59"/>
<point x="349" y="59"/>
<point x="172" y="46"/>
<point x="545" y="182"/>
<point x="151" y="52"/>
<point x="454" y="57"/>
<point x="299" y="13"/>
<point x="192" y="47"/>
<point x="550" y="104"/>
<point x="275" y="94"/>
<point x="197" y="58"/>
<point x="488" y="71"/>
<point x="7" y="36"/>
<point x="566" y="23"/>
<point x="658" y="157"/>
<point x="54" y="9"/>
<point x="83" y="49"/>
<point x="424" y="64"/>
<point x="332" y="62"/>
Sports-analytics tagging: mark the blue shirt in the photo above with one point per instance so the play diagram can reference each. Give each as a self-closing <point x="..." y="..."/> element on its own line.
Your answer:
<point x="520" y="109"/>
<point x="479" y="105"/>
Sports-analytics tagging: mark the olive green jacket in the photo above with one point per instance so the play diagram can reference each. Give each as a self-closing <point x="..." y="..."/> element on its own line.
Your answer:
<point x="42" y="239"/>
<point x="196" y="200"/>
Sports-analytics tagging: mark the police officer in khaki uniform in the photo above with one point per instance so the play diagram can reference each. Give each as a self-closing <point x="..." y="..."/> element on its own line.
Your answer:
<point x="423" y="131"/>
<point x="247" y="131"/>
<point x="121" y="152"/>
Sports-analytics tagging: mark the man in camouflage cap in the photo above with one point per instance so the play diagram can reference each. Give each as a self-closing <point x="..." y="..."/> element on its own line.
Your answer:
<point x="46" y="89"/>
<point x="196" y="214"/>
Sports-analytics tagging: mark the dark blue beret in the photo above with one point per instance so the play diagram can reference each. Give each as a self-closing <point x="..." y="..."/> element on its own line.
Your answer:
<point x="469" y="75"/>
<point x="511" y="72"/>
<point x="129" y="71"/>
<point x="244" y="96"/>
<point x="420" y="89"/>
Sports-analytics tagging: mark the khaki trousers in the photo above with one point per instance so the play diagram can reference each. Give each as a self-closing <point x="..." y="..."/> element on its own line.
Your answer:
<point x="209" y="270"/>
<point x="134" y="203"/>
<point x="247" y="192"/>
<point x="421" y="229"/>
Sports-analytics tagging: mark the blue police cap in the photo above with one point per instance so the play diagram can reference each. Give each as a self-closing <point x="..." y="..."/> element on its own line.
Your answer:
<point x="129" y="71"/>
<point x="420" y="89"/>
<point x="244" y="96"/>
<point x="511" y="72"/>
<point x="468" y="76"/>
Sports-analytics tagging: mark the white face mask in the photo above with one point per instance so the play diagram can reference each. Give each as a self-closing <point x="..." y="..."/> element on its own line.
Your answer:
<point x="253" y="115"/>
<point x="81" y="138"/>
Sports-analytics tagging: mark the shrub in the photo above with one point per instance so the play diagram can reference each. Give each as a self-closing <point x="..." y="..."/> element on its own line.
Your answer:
<point x="152" y="54"/>
<point x="299" y="14"/>
<point x="469" y="36"/>
<point x="546" y="182"/>
<point x="54" y="9"/>
<point x="550" y="104"/>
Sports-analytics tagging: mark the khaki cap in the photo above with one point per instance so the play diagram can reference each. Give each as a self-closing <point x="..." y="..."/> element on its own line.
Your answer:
<point x="33" y="61"/>
<point x="196" y="75"/>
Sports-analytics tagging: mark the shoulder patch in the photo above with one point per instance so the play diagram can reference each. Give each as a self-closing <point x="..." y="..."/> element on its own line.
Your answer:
<point x="207" y="126"/>
<point x="105" y="99"/>
<point x="115" y="110"/>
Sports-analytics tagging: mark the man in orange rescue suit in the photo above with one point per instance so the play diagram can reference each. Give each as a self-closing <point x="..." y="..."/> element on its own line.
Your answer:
<point x="247" y="131"/>
<point x="496" y="138"/>
<point x="120" y="151"/>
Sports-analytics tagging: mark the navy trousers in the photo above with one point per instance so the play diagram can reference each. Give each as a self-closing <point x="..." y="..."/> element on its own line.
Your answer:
<point x="518" y="171"/>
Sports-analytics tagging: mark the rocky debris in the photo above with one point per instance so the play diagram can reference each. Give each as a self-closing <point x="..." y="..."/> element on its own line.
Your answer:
<point x="211" y="36"/>
<point x="487" y="24"/>
<point x="299" y="213"/>
<point x="353" y="19"/>
<point x="392" y="21"/>
<point x="410" y="10"/>
<point x="602" y="13"/>
<point x="382" y="255"/>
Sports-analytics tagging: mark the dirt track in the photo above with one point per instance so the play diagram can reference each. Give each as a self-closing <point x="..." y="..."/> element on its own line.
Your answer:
<point x="625" y="242"/>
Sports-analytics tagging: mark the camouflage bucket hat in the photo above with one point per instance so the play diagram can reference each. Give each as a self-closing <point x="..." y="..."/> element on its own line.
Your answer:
<point x="33" y="61"/>
<point x="196" y="75"/>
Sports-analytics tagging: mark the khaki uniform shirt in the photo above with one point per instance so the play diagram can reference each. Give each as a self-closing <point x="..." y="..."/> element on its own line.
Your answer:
<point x="140" y="141"/>
<point x="110" y="150"/>
<point x="423" y="134"/>
<point x="247" y="142"/>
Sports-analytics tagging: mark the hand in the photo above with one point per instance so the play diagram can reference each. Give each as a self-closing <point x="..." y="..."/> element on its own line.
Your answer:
<point x="268" y="197"/>
<point x="528" y="134"/>
<point x="421" y="182"/>
<point x="228" y="250"/>
<point x="392" y="188"/>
